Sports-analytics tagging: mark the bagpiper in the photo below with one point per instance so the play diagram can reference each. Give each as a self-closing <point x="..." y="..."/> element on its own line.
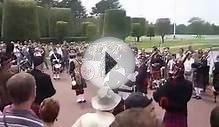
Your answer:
<point x="156" y="66"/>
<point x="78" y="83"/>
<point x="173" y="96"/>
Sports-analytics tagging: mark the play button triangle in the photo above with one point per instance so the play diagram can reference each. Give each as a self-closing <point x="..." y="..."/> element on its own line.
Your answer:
<point x="109" y="63"/>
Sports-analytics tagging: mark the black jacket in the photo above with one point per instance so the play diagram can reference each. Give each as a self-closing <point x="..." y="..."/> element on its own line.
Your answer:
<point x="178" y="93"/>
<point x="44" y="86"/>
<point x="58" y="56"/>
<point x="216" y="76"/>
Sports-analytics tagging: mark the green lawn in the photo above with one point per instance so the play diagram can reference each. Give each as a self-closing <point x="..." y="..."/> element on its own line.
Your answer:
<point x="175" y="44"/>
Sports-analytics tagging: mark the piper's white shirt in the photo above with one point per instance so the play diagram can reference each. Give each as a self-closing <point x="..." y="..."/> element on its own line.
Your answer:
<point x="59" y="51"/>
<point x="170" y="65"/>
<point x="98" y="119"/>
<point x="188" y="64"/>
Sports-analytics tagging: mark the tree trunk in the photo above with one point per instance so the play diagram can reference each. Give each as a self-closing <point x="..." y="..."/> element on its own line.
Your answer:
<point x="150" y="38"/>
<point x="162" y="37"/>
<point x="138" y="39"/>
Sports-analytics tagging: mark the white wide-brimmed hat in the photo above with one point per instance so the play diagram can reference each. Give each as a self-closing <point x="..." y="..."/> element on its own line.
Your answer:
<point x="105" y="100"/>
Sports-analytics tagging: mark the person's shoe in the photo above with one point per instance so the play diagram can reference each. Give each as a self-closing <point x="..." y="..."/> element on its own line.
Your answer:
<point x="198" y="98"/>
<point x="84" y="101"/>
<point x="79" y="101"/>
<point x="195" y="97"/>
<point x="58" y="77"/>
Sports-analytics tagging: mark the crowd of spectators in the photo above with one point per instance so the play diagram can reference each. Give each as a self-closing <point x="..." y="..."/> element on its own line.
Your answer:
<point x="139" y="110"/>
<point x="22" y="104"/>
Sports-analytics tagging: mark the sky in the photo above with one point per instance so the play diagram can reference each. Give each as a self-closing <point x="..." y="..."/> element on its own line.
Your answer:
<point x="182" y="9"/>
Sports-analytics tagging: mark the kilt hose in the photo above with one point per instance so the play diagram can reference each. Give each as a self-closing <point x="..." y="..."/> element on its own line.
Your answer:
<point x="175" y="120"/>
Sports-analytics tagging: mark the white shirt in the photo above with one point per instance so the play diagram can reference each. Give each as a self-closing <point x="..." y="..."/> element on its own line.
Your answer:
<point x="170" y="65"/>
<point x="98" y="119"/>
<point x="188" y="64"/>
<point x="59" y="51"/>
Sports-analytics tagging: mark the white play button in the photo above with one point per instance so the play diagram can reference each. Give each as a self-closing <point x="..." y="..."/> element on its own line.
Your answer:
<point x="108" y="61"/>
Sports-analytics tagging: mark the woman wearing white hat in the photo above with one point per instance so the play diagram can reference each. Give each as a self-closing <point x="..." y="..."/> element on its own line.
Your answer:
<point x="104" y="103"/>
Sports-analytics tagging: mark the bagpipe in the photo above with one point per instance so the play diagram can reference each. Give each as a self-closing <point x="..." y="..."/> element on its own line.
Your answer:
<point x="134" y="84"/>
<point x="25" y="65"/>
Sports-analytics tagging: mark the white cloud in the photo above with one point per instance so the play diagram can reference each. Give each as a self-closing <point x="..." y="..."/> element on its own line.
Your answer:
<point x="153" y="9"/>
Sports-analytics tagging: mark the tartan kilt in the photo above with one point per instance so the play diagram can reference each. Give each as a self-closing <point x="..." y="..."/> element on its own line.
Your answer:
<point x="175" y="120"/>
<point x="198" y="80"/>
<point x="156" y="75"/>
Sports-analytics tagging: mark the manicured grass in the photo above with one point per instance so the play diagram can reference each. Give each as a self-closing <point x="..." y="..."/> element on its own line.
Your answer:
<point x="175" y="44"/>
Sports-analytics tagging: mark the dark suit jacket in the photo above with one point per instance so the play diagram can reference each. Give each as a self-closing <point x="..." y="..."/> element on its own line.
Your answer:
<point x="178" y="94"/>
<point x="44" y="86"/>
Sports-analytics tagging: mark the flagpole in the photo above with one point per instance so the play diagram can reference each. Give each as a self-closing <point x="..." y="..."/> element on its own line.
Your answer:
<point x="174" y="22"/>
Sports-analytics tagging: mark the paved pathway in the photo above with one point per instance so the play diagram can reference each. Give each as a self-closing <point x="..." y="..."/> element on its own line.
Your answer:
<point x="199" y="110"/>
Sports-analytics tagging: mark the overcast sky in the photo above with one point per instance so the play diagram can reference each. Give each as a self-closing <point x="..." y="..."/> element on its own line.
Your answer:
<point x="153" y="9"/>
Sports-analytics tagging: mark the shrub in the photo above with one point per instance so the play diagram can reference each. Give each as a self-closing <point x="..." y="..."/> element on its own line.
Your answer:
<point x="60" y="14"/>
<point x="114" y="23"/>
<point x="20" y="20"/>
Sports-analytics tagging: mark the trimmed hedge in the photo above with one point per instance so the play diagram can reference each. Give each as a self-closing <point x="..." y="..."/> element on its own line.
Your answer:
<point x="60" y="14"/>
<point x="84" y="27"/>
<point x="128" y="25"/>
<point x="43" y="16"/>
<point x="20" y="20"/>
<point x="91" y="31"/>
<point x="68" y="39"/>
<point x="61" y="29"/>
<point x="100" y="25"/>
<point x="115" y="23"/>
<point x="1" y="9"/>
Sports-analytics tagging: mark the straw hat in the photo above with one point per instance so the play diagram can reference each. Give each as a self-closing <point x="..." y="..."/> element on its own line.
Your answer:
<point x="105" y="100"/>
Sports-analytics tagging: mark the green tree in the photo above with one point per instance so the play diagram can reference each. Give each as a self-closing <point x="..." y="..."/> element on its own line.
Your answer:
<point x="150" y="32"/>
<point x="128" y="25"/>
<point x="163" y="26"/>
<point x="78" y="10"/>
<point x="115" y="23"/>
<point x="215" y="29"/>
<point x="104" y="5"/>
<point x="181" y="29"/>
<point x="136" y="31"/>
<point x="196" y="26"/>
<point x="46" y="3"/>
